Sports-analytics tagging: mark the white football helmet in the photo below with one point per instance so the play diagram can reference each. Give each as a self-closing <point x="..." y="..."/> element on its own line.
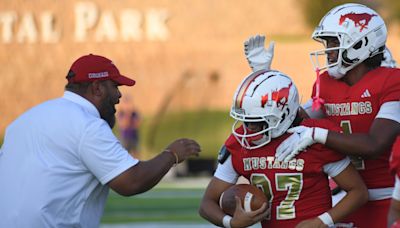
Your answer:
<point x="361" y="33"/>
<point x="268" y="97"/>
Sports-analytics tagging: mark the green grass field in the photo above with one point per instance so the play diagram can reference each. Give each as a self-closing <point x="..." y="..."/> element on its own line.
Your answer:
<point x="161" y="204"/>
<point x="168" y="205"/>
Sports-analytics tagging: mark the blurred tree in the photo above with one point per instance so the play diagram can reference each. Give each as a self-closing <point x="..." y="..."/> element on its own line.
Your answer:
<point x="393" y="7"/>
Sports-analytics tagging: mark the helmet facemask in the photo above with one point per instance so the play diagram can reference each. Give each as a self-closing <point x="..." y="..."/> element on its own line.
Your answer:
<point x="321" y="61"/>
<point x="254" y="139"/>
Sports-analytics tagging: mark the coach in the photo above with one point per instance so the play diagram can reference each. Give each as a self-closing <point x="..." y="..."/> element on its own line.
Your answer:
<point x="60" y="158"/>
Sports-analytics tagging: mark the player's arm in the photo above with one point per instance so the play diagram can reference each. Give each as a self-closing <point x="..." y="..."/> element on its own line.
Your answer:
<point x="209" y="206"/>
<point x="394" y="210"/>
<point x="224" y="177"/>
<point x="347" y="178"/>
<point x="381" y="136"/>
<point x="379" y="139"/>
<point x="146" y="174"/>
<point x="357" y="193"/>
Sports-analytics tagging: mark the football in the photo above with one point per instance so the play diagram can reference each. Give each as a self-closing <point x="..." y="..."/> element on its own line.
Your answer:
<point x="251" y="197"/>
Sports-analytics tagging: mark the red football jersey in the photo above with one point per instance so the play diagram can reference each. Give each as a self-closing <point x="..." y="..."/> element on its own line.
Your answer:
<point x="395" y="158"/>
<point x="354" y="109"/>
<point x="298" y="189"/>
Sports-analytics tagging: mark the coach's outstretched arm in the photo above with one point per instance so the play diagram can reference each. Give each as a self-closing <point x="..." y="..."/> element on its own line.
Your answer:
<point x="146" y="174"/>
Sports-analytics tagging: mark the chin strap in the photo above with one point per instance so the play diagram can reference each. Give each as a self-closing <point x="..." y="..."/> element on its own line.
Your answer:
<point x="317" y="101"/>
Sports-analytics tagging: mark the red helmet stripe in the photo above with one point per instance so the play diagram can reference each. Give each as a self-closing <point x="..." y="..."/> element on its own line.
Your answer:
<point x="245" y="85"/>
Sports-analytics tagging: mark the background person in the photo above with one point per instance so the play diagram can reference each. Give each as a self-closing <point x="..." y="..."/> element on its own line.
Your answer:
<point x="60" y="158"/>
<point x="264" y="106"/>
<point x="128" y="121"/>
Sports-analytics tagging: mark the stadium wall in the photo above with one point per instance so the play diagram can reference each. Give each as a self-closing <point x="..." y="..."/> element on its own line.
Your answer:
<point x="188" y="53"/>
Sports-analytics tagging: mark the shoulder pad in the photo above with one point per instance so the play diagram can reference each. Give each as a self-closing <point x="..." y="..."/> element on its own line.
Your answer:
<point x="223" y="154"/>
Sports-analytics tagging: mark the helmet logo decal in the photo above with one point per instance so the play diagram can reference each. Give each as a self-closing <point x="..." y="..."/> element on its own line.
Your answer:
<point x="360" y="19"/>
<point x="281" y="97"/>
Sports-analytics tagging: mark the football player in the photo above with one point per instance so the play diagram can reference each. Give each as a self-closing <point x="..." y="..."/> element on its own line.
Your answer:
<point x="358" y="95"/>
<point x="264" y="106"/>
<point x="388" y="61"/>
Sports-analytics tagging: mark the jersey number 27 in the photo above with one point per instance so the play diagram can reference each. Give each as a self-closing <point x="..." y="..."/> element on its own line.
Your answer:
<point x="290" y="182"/>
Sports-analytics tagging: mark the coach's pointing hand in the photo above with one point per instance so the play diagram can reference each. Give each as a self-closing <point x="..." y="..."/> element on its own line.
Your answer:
<point x="183" y="149"/>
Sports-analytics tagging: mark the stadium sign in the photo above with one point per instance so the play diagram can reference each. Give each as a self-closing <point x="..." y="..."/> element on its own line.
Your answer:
<point x="90" y="25"/>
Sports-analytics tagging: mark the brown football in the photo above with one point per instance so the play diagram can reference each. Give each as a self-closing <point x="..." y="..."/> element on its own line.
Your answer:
<point x="251" y="197"/>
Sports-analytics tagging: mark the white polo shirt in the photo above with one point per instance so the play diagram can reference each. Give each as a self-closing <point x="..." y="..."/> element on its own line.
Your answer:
<point x="55" y="163"/>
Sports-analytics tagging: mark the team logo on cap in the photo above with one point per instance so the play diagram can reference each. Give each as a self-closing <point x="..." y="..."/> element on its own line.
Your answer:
<point x="98" y="75"/>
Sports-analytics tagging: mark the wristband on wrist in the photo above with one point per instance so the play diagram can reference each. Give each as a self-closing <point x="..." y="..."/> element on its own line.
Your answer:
<point x="326" y="219"/>
<point x="320" y="135"/>
<point x="175" y="155"/>
<point x="226" y="221"/>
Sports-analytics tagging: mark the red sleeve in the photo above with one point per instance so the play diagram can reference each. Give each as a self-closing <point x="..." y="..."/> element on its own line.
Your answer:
<point x="232" y="145"/>
<point x="231" y="142"/>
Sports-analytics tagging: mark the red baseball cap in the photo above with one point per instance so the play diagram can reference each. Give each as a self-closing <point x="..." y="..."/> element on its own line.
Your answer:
<point x="89" y="68"/>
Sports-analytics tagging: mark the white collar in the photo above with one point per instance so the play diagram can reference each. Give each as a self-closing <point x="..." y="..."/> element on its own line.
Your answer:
<point x="82" y="102"/>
